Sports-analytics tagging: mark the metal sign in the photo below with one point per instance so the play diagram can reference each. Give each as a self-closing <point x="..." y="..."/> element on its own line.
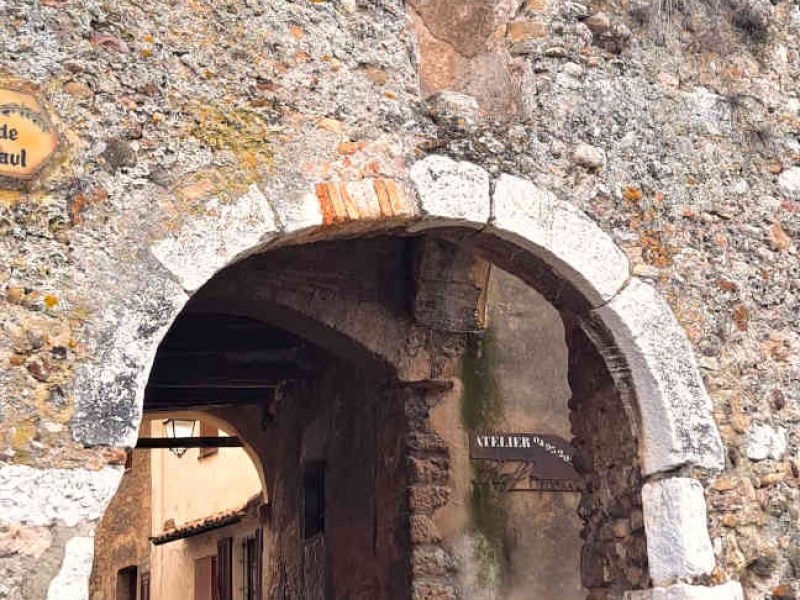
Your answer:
<point x="551" y="457"/>
<point x="27" y="138"/>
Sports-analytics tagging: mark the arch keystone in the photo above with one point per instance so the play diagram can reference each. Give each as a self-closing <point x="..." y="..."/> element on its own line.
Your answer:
<point x="675" y="410"/>
<point x="451" y="191"/>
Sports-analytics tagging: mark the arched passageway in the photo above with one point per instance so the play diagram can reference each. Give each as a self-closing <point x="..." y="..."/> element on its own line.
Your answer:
<point x="523" y="230"/>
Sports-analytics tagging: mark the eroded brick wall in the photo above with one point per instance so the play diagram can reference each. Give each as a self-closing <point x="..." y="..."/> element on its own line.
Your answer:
<point x="122" y="538"/>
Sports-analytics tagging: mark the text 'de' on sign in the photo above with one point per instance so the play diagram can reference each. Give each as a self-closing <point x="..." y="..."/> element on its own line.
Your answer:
<point x="550" y="455"/>
<point x="27" y="138"/>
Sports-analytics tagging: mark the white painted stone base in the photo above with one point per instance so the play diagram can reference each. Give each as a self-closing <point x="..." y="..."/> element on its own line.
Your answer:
<point x="72" y="581"/>
<point x="42" y="497"/>
<point x="728" y="591"/>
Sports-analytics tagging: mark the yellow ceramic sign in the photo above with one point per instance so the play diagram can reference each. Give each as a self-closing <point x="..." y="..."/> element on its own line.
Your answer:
<point x="27" y="139"/>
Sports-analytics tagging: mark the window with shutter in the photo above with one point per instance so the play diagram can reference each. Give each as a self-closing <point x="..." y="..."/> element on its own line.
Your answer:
<point x="225" y="568"/>
<point x="313" y="500"/>
<point x="252" y="549"/>
<point x="126" y="583"/>
<point x="208" y="430"/>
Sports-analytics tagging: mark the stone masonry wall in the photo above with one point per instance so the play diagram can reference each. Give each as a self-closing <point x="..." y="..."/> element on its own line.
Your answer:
<point x="614" y="555"/>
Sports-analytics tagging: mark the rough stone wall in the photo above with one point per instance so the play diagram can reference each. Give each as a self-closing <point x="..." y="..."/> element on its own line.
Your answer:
<point x="614" y="554"/>
<point x="122" y="538"/>
<point x="674" y="125"/>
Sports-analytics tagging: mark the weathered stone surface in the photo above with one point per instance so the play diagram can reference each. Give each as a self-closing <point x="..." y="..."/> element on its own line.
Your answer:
<point x="227" y="232"/>
<point x="452" y="190"/>
<point x="678" y="545"/>
<point x="588" y="156"/>
<point x="31" y="541"/>
<point x="297" y="211"/>
<point x="675" y="410"/>
<point x="40" y="497"/>
<point x="599" y="22"/>
<point x="789" y="182"/>
<point x="682" y="591"/>
<point x="72" y="581"/>
<point x="561" y="235"/>
<point x="453" y="108"/>
<point x="765" y="441"/>
<point x="109" y="388"/>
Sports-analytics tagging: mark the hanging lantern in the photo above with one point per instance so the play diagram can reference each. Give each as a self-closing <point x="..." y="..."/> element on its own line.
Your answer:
<point x="179" y="428"/>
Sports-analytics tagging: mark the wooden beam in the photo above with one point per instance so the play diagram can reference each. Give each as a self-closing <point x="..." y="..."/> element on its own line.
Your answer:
<point x="190" y="442"/>
<point x="158" y="397"/>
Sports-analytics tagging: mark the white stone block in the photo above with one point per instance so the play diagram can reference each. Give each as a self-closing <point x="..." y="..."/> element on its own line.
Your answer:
<point x="588" y="156"/>
<point x="727" y="591"/>
<point x="765" y="441"/>
<point x="789" y="182"/>
<point x="68" y="497"/>
<point x="678" y="545"/>
<point x="677" y="425"/>
<point x="297" y="211"/>
<point x="450" y="190"/>
<point x="560" y="235"/>
<point x="225" y="234"/>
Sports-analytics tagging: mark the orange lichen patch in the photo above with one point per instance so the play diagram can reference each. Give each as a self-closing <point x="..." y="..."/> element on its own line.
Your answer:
<point x="297" y="32"/>
<point x="9" y="197"/>
<point x="50" y="300"/>
<point x="780" y="239"/>
<point x="348" y="148"/>
<point x="632" y="194"/>
<point x="195" y="191"/>
<point x="365" y="199"/>
<point x="78" y="203"/>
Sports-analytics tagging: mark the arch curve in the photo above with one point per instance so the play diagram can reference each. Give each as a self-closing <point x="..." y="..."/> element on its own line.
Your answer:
<point x="525" y="230"/>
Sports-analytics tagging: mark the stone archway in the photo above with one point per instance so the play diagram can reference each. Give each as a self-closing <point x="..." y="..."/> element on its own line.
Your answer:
<point x="525" y="230"/>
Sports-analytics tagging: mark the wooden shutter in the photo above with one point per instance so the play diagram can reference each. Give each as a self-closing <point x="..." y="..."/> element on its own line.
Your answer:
<point x="208" y="430"/>
<point x="214" y="579"/>
<point x="145" y="594"/>
<point x="259" y="560"/>
<point x="225" y="568"/>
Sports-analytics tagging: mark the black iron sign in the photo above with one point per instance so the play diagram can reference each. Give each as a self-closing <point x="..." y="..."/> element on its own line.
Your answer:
<point x="551" y="457"/>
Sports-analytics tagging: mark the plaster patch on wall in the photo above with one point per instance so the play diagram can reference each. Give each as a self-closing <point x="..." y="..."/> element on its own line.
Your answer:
<point x="72" y="581"/>
<point x="68" y="497"/>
